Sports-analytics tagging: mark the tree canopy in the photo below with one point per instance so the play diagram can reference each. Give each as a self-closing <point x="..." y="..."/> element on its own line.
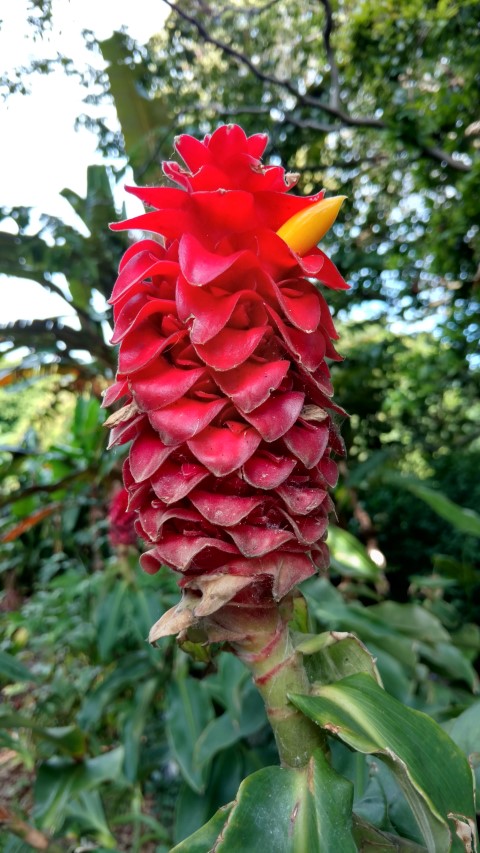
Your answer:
<point x="376" y="100"/>
<point x="373" y="99"/>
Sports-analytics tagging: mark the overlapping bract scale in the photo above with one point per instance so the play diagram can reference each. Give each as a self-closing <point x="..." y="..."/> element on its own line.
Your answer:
<point x="226" y="393"/>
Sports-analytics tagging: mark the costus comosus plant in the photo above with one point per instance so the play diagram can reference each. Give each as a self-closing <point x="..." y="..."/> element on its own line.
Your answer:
<point x="224" y="337"/>
<point x="121" y="520"/>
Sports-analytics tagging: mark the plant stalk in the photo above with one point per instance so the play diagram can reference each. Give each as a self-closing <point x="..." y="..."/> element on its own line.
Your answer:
<point x="267" y="650"/>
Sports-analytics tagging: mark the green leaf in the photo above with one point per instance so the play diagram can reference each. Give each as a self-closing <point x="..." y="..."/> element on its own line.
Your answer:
<point x="11" y="670"/>
<point x="111" y="619"/>
<point x="431" y="770"/>
<point x="227" y="771"/>
<point x="60" y="780"/>
<point x="204" y="839"/>
<point x="135" y="726"/>
<point x="252" y="715"/>
<point x="87" y="814"/>
<point x="465" y="731"/>
<point x="146" y="122"/>
<point x="133" y="669"/>
<point x="467" y="638"/>
<point x="286" y="811"/>
<point x="299" y="620"/>
<point x="465" y="520"/>
<point x="334" y="655"/>
<point x="409" y="619"/>
<point x="224" y="731"/>
<point x="189" y="710"/>
<point x="291" y="811"/>
<point x="139" y="818"/>
<point x="448" y="660"/>
<point x="349" y="557"/>
<point x="227" y="685"/>
<point x="369" y="839"/>
<point x="16" y="845"/>
<point x="220" y="733"/>
<point x="382" y="804"/>
<point x="394" y="678"/>
<point x="329" y="607"/>
<point x="67" y="739"/>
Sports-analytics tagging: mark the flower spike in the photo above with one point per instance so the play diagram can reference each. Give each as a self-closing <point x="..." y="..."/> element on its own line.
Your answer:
<point x="306" y="228"/>
<point x="223" y="335"/>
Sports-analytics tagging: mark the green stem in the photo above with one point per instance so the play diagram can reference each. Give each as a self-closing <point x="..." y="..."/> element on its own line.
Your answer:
<point x="278" y="670"/>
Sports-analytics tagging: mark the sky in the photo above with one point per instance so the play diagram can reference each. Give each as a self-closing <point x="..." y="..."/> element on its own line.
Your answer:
<point x="41" y="153"/>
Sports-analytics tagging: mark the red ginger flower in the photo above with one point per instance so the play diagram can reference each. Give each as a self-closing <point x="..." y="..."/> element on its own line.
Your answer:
<point x="223" y="339"/>
<point x="121" y="520"/>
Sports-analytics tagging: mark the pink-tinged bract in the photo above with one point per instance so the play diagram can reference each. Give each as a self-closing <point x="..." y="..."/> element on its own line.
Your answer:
<point x="223" y="334"/>
<point x="121" y="520"/>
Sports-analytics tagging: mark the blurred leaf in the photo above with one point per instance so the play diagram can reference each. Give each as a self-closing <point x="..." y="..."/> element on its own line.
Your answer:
<point x="16" y="845"/>
<point x="227" y="770"/>
<point x="140" y="818"/>
<point x="87" y="813"/>
<point x="465" y="520"/>
<point x="348" y="555"/>
<point x="131" y="670"/>
<point x="382" y="804"/>
<point x="227" y="685"/>
<point x="370" y="839"/>
<point x="68" y="739"/>
<point x="59" y="781"/>
<point x="189" y="710"/>
<point x="395" y="677"/>
<point x="110" y="618"/>
<point x="467" y="638"/>
<point x="12" y="670"/>
<point x="224" y="731"/>
<point x="204" y="839"/>
<point x="327" y="604"/>
<point x="457" y="571"/>
<point x="146" y="123"/>
<point x="362" y="472"/>
<point x="135" y="726"/>
<point x="465" y="731"/>
<point x="448" y="660"/>
<point x="409" y="619"/>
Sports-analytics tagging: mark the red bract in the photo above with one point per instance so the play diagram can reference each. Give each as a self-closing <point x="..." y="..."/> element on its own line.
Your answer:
<point x="121" y="520"/>
<point x="222" y="345"/>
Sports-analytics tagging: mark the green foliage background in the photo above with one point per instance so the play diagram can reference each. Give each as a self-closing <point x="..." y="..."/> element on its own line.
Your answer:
<point x="123" y="747"/>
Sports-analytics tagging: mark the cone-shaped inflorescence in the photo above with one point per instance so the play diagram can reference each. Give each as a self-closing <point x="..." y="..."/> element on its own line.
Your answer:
<point x="223" y="339"/>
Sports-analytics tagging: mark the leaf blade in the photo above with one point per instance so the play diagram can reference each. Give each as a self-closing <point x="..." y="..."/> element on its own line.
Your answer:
<point x="432" y="771"/>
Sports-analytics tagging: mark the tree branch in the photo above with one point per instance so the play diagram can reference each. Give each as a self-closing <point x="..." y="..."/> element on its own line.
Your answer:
<point x="242" y="59"/>
<point x="252" y="10"/>
<point x="435" y="153"/>
<point x="287" y="118"/>
<point x="245" y="109"/>
<point x="334" y="75"/>
<point x="432" y="152"/>
<point x="309" y="124"/>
